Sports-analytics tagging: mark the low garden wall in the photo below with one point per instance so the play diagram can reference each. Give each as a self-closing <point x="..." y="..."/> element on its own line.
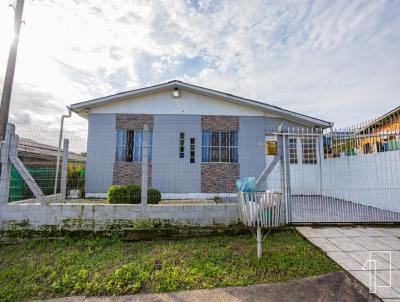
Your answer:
<point x="113" y="217"/>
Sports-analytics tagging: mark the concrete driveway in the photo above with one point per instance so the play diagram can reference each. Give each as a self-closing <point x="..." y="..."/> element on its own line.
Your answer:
<point x="370" y="254"/>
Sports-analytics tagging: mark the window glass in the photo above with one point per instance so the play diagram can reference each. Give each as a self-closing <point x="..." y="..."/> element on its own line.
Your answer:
<point x="206" y="147"/>
<point x="293" y="151"/>
<point x="309" y="150"/>
<point x="192" y="150"/>
<point x="224" y="146"/>
<point x="129" y="145"/>
<point x="121" y="144"/>
<point x="215" y="146"/>
<point x="181" y="145"/>
<point x="130" y="139"/>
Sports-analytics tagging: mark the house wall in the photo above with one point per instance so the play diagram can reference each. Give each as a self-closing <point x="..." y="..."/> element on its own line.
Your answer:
<point x="219" y="177"/>
<point x="100" y="152"/>
<point x="170" y="173"/>
<point x="188" y="103"/>
<point x="125" y="173"/>
<point x="251" y="145"/>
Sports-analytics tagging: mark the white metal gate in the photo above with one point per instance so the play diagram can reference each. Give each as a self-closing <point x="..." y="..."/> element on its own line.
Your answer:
<point x="337" y="177"/>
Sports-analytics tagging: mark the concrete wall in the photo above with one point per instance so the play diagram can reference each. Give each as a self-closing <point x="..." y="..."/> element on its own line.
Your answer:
<point x="101" y="149"/>
<point x="367" y="179"/>
<point x="170" y="173"/>
<point x="111" y="217"/>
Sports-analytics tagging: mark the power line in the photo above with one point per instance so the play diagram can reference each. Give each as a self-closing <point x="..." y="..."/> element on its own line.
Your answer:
<point x="117" y="85"/>
<point x="335" y="74"/>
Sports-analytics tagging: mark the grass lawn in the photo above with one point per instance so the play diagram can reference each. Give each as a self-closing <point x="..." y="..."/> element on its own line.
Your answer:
<point x="104" y="266"/>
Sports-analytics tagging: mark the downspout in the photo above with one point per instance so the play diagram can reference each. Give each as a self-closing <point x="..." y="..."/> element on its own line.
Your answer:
<point x="59" y="147"/>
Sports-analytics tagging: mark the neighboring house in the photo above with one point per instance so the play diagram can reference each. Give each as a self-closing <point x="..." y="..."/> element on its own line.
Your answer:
<point x="201" y="140"/>
<point x="382" y="134"/>
<point x="35" y="154"/>
<point x="40" y="160"/>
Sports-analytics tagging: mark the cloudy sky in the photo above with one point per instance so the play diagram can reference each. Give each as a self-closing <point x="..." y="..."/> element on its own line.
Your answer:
<point x="336" y="60"/>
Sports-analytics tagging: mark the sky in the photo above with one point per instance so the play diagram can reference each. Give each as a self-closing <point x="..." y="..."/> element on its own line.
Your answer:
<point x="334" y="60"/>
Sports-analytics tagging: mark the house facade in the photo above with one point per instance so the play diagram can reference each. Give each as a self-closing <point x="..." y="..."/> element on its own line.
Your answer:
<point x="382" y="134"/>
<point x="200" y="140"/>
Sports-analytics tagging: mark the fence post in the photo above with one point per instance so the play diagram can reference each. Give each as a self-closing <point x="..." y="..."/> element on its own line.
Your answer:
<point x="145" y="163"/>
<point x="321" y="152"/>
<point x="283" y="149"/>
<point x="64" y="170"/>
<point x="5" y="177"/>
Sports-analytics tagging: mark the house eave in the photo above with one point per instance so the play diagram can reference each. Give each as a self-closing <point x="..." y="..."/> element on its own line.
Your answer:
<point x="83" y="108"/>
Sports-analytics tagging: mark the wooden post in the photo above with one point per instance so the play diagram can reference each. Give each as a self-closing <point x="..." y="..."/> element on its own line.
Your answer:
<point x="145" y="163"/>
<point x="64" y="170"/>
<point x="5" y="177"/>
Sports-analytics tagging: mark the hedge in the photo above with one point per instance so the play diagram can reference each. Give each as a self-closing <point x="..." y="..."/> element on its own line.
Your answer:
<point x="153" y="196"/>
<point x="131" y="194"/>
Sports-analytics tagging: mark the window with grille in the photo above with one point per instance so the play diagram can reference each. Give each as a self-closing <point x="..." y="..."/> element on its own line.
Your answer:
<point x="129" y="145"/>
<point x="309" y="150"/>
<point x="220" y="146"/>
<point x="293" y="151"/>
<point x="181" y="145"/>
<point x="192" y="150"/>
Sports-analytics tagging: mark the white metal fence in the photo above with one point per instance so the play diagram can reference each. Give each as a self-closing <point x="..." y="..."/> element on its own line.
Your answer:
<point x="341" y="175"/>
<point x="345" y="175"/>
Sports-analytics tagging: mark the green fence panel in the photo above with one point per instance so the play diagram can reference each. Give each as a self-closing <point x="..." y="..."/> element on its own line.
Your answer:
<point x="44" y="177"/>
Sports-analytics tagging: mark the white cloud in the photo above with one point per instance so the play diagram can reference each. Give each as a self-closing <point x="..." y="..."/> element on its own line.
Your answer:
<point x="282" y="53"/>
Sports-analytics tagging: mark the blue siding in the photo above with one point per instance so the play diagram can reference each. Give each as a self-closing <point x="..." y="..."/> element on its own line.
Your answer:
<point x="171" y="174"/>
<point x="251" y="145"/>
<point x="252" y="133"/>
<point x="101" y="151"/>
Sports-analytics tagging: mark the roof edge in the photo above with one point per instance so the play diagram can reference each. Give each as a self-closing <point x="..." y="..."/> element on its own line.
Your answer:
<point x="87" y="105"/>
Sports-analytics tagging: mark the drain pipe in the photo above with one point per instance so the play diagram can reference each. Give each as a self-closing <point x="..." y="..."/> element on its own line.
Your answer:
<point x="59" y="147"/>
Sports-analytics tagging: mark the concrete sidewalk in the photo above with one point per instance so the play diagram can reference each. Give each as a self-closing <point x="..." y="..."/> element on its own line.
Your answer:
<point x="331" y="287"/>
<point x="370" y="254"/>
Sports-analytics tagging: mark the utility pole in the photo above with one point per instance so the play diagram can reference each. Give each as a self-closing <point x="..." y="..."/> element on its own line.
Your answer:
<point x="9" y="77"/>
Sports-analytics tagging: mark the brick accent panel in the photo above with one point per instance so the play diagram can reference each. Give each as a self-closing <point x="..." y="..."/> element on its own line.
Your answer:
<point x="219" y="122"/>
<point x="219" y="177"/>
<point x="126" y="173"/>
<point x="134" y="121"/>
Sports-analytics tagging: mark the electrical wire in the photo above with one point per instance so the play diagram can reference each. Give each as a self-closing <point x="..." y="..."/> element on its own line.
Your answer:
<point x="117" y="85"/>
<point x="335" y="74"/>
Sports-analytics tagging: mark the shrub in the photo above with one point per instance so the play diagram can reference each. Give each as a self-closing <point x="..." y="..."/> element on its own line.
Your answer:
<point x="134" y="193"/>
<point x="131" y="194"/>
<point x="76" y="179"/>
<point x="117" y="194"/>
<point x="153" y="196"/>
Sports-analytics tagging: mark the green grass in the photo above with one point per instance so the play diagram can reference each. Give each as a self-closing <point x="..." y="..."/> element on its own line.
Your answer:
<point x="103" y="266"/>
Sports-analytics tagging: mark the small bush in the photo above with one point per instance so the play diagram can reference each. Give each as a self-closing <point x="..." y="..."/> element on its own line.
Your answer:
<point x="153" y="196"/>
<point x="118" y="194"/>
<point x="131" y="194"/>
<point x="134" y="193"/>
